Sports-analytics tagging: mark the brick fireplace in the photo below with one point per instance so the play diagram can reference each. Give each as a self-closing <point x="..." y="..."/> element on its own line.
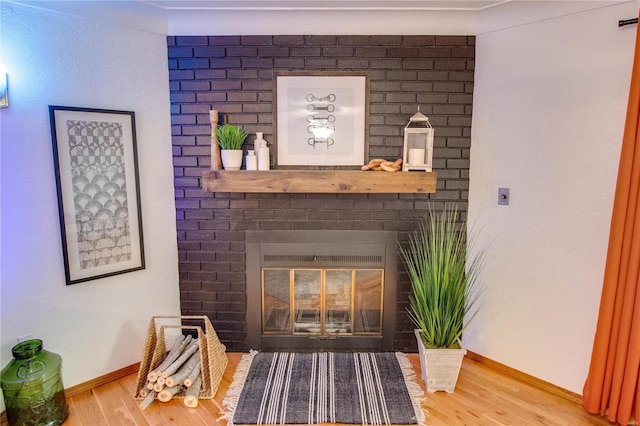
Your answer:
<point x="234" y="75"/>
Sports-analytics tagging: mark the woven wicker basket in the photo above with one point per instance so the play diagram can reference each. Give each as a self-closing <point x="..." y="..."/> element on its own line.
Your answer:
<point x="213" y="359"/>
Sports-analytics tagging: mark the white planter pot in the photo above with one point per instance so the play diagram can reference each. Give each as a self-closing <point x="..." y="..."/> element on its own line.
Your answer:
<point x="440" y="367"/>
<point x="231" y="159"/>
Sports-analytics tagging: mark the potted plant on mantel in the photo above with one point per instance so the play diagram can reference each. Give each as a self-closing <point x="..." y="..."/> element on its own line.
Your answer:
<point x="445" y="289"/>
<point x="230" y="138"/>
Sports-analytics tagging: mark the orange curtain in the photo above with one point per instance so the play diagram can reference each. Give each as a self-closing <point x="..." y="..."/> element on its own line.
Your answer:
<point x="612" y="387"/>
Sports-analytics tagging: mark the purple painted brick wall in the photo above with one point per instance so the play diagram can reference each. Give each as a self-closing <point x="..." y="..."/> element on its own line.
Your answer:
<point x="235" y="75"/>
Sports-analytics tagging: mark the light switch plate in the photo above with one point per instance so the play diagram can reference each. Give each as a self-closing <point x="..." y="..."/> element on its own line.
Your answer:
<point x="503" y="196"/>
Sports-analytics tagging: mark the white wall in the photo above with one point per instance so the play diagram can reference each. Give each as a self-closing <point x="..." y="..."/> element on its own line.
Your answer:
<point x="549" y="108"/>
<point x="54" y="59"/>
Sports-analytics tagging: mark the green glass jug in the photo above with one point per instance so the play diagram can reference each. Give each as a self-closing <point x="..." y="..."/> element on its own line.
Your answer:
<point x="32" y="386"/>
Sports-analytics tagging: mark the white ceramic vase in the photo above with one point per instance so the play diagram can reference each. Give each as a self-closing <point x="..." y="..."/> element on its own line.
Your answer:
<point x="231" y="159"/>
<point x="440" y="367"/>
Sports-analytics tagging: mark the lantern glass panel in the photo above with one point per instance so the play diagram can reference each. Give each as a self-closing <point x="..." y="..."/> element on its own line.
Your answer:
<point x="417" y="148"/>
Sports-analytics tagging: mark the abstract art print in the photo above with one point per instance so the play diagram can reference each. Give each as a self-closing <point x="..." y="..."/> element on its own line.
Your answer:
<point x="95" y="158"/>
<point x="321" y="120"/>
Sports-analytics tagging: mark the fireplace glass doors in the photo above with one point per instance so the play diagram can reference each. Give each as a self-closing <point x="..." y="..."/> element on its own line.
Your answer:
<point x="322" y="302"/>
<point x="321" y="290"/>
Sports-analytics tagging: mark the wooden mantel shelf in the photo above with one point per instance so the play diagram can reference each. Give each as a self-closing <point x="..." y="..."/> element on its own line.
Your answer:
<point x="319" y="181"/>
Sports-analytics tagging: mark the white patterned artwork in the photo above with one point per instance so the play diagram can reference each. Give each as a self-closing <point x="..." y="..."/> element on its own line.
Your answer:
<point x="100" y="192"/>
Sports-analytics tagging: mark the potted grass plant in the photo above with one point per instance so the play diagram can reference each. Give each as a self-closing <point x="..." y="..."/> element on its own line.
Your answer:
<point x="445" y="290"/>
<point x="230" y="138"/>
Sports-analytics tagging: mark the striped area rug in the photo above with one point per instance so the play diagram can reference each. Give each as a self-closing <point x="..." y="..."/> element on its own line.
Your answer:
<point x="326" y="387"/>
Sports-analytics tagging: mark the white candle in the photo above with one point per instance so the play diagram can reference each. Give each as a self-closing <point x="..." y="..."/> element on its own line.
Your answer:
<point x="416" y="156"/>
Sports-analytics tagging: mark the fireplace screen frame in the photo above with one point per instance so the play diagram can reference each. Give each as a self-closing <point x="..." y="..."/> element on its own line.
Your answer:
<point x="324" y="250"/>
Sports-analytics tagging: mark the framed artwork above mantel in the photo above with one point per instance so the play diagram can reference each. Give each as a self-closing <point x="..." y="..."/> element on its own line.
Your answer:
<point x="321" y="119"/>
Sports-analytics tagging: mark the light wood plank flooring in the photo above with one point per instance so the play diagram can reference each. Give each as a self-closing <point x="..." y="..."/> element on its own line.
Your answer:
<point x="483" y="396"/>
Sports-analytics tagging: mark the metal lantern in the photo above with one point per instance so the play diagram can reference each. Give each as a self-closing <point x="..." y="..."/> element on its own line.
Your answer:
<point x="418" y="144"/>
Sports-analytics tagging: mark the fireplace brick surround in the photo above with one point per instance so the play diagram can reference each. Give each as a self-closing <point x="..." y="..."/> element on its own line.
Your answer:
<point x="234" y="75"/>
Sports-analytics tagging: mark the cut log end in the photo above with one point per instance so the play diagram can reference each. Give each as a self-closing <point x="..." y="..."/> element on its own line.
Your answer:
<point x="148" y="400"/>
<point x="167" y="393"/>
<point x="192" y="393"/>
<point x="190" y="401"/>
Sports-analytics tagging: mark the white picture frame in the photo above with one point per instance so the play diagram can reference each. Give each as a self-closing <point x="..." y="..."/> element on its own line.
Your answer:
<point x="307" y="106"/>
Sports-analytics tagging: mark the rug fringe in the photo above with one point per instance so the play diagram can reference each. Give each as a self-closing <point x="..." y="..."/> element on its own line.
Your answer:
<point x="230" y="401"/>
<point x="413" y="386"/>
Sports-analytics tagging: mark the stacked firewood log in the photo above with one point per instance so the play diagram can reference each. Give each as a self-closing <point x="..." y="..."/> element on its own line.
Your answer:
<point x="179" y="373"/>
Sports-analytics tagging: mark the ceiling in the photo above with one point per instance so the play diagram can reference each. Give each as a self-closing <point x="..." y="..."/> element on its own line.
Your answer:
<point x="311" y="17"/>
<point x="459" y="5"/>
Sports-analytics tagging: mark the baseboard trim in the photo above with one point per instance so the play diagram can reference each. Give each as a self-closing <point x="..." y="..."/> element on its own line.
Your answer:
<point x="102" y="380"/>
<point x="525" y="378"/>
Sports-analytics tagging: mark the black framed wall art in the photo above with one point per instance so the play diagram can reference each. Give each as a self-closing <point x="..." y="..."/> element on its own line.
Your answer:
<point x="96" y="166"/>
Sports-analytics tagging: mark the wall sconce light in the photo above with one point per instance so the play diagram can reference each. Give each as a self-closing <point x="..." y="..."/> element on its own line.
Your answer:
<point x="4" y="91"/>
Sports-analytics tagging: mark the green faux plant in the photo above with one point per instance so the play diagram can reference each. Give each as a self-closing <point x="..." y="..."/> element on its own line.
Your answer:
<point x="444" y="282"/>
<point x="230" y="136"/>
